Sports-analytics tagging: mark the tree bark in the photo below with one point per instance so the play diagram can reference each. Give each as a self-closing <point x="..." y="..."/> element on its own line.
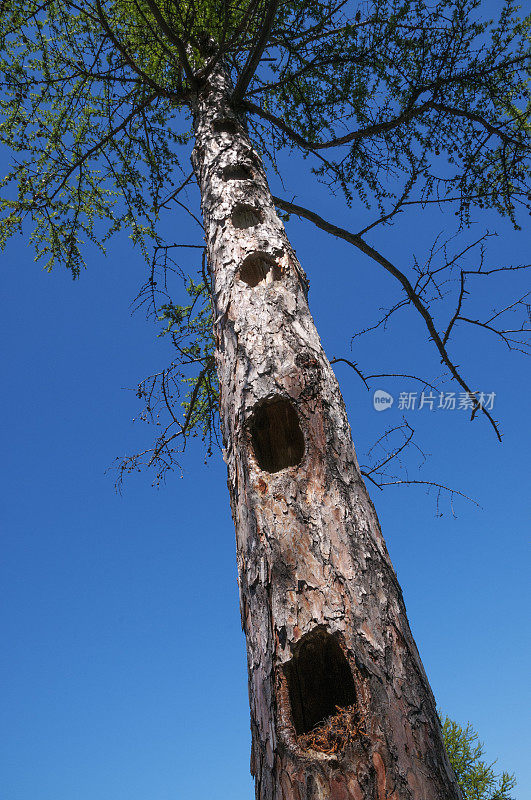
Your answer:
<point x="321" y="607"/>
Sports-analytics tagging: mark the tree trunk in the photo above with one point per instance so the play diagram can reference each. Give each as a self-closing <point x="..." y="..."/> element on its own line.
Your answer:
<point x="321" y="607"/>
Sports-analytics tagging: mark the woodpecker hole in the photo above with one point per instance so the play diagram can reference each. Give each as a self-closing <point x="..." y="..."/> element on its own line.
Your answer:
<point x="237" y="172"/>
<point x="259" y="267"/>
<point x="225" y="126"/>
<point x="245" y="216"/>
<point x="276" y="436"/>
<point x="319" y="680"/>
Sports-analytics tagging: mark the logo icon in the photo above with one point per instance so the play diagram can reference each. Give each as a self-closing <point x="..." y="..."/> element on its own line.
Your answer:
<point x="382" y="400"/>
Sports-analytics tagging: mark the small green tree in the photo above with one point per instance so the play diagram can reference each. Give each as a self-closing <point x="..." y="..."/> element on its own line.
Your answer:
<point x="477" y="779"/>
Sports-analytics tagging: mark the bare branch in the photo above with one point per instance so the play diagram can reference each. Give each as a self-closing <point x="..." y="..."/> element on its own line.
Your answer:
<point x="440" y="486"/>
<point x="380" y="476"/>
<point x="412" y="295"/>
<point x="366" y="378"/>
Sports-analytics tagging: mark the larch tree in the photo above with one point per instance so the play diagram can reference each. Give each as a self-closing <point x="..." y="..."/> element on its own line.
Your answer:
<point x="476" y="777"/>
<point x="400" y="104"/>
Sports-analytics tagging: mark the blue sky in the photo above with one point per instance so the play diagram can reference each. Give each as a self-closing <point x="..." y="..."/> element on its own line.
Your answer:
<point x="123" y="663"/>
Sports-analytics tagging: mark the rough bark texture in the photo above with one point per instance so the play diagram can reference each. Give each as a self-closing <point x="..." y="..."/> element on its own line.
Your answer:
<point x="320" y="603"/>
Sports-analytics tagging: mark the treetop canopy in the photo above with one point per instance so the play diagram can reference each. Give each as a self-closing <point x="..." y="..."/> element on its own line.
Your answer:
<point x="395" y="103"/>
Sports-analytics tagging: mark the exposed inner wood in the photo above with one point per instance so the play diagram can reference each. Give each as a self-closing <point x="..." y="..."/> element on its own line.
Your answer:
<point x="259" y="267"/>
<point x="245" y="216"/>
<point x="277" y="438"/>
<point x="237" y="172"/>
<point x="225" y="126"/>
<point x="319" y="680"/>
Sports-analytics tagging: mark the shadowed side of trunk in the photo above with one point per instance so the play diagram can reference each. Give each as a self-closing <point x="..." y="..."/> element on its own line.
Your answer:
<point x="340" y="704"/>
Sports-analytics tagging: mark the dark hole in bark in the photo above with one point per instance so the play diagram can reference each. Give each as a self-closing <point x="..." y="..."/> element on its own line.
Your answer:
<point x="245" y="216"/>
<point x="319" y="680"/>
<point x="237" y="172"/>
<point x="225" y="126"/>
<point x="276" y="435"/>
<point x="259" y="267"/>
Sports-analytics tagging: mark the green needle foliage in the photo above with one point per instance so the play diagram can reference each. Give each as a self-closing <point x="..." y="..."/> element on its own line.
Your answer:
<point x="476" y="777"/>
<point x="94" y="101"/>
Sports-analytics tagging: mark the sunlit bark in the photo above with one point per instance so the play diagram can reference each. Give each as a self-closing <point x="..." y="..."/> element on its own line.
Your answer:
<point x="321" y="607"/>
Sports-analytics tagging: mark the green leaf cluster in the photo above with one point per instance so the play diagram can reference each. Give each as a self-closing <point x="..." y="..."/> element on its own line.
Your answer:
<point x="93" y="149"/>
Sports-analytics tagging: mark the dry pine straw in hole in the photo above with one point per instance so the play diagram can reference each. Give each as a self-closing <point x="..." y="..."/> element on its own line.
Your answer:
<point x="335" y="733"/>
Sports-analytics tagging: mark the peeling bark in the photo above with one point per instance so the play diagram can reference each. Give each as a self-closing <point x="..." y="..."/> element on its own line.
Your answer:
<point x="318" y="592"/>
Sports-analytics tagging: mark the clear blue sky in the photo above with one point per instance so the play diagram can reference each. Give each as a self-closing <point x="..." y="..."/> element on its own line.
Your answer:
<point x="123" y="663"/>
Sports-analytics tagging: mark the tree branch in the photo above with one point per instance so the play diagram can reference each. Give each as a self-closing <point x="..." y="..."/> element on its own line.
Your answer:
<point x="256" y="53"/>
<point x="174" y="39"/>
<point x="409" y="113"/>
<point x="99" y="145"/>
<point x="412" y="295"/>
<point x="130" y="61"/>
<point x="366" y="378"/>
<point x="461" y="112"/>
